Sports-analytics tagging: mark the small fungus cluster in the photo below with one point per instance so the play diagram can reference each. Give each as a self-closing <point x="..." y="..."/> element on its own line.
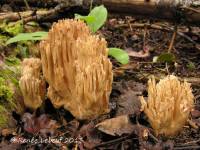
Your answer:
<point x="32" y="84"/>
<point x="169" y="104"/>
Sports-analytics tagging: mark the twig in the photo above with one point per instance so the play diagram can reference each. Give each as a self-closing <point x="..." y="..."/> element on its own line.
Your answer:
<point x="180" y="34"/>
<point x="27" y="5"/>
<point x="113" y="141"/>
<point x="192" y="80"/>
<point x="158" y="27"/>
<point x="144" y="37"/>
<point x="91" y="3"/>
<point x="173" y="39"/>
<point x="167" y="68"/>
<point x="191" y="9"/>
<point x="187" y="147"/>
<point x="189" y="143"/>
<point x="35" y="15"/>
<point x="153" y="137"/>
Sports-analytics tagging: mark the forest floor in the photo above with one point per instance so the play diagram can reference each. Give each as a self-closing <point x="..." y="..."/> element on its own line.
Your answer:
<point x="143" y="40"/>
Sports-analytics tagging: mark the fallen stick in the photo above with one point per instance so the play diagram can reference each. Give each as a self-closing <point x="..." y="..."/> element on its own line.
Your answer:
<point x="166" y="9"/>
<point x="33" y="15"/>
<point x="176" y="10"/>
<point x="157" y="27"/>
<point x="41" y="3"/>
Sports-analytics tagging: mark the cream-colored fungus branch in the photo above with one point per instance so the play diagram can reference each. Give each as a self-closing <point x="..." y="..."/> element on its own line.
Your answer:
<point x="169" y="104"/>
<point x="31" y="83"/>
<point x="75" y="64"/>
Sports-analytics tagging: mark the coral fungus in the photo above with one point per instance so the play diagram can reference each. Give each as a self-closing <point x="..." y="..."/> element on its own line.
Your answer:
<point x="75" y="64"/>
<point x="169" y="104"/>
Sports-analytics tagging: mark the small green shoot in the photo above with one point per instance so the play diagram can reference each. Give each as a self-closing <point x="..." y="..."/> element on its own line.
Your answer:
<point x="87" y="19"/>
<point x="191" y="65"/>
<point x="119" y="54"/>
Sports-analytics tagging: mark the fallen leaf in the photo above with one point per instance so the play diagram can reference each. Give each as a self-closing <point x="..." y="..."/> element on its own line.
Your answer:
<point x="116" y="126"/>
<point x="8" y="131"/>
<point x="196" y="121"/>
<point x="71" y="128"/>
<point x="195" y="113"/>
<point x="119" y="71"/>
<point x="128" y="102"/>
<point x="169" y="145"/>
<point x="141" y="54"/>
<point x="9" y="146"/>
<point x="42" y="124"/>
<point x="90" y="136"/>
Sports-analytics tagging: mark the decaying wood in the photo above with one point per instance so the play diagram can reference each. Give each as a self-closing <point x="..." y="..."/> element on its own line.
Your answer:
<point x="12" y="16"/>
<point x="33" y="15"/>
<point x="44" y="3"/>
<point x="187" y="10"/>
<point x="167" y="9"/>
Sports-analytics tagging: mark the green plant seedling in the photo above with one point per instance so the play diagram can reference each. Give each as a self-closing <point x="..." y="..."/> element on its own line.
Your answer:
<point x="96" y="18"/>
<point x="119" y="54"/>
<point x="191" y="65"/>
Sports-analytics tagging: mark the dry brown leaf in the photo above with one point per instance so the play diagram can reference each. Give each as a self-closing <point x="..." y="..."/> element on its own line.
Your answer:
<point x="141" y="54"/>
<point x="116" y="126"/>
<point x="195" y="113"/>
<point x="9" y="146"/>
<point x="8" y="131"/>
<point x="128" y="102"/>
<point x="90" y="135"/>
<point x="42" y="124"/>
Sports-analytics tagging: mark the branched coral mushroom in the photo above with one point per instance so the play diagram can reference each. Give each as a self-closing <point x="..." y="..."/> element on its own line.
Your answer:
<point x="169" y="104"/>
<point x="31" y="83"/>
<point x="76" y="66"/>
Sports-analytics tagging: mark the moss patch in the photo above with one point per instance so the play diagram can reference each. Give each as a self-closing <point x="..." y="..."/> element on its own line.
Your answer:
<point x="6" y="101"/>
<point x="13" y="28"/>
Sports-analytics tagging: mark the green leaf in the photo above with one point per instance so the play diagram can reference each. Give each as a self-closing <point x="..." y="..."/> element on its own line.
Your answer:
<point x="119" y="54"/>
<point x="27" y="36"/>
<point x="166" y="57"/>
<point x="100" y="14"/>
<point x="87" y="19"/>
<point x="96" y="18"/>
